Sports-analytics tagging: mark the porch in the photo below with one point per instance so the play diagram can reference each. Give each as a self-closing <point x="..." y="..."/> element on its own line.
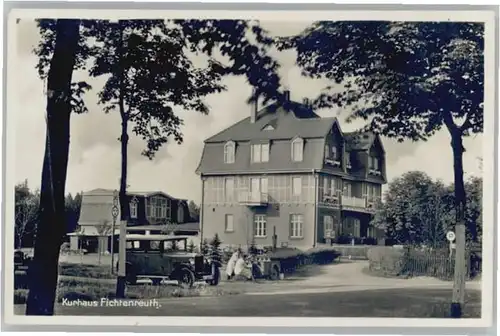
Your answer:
<point x="353" y="228"/>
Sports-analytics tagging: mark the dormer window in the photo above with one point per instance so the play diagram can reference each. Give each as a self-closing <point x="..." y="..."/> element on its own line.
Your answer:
<point x="229" y="152"/>
<point x="332" y="155"/>
<point x="297" y="150"/>
<point x="335" y="153"/>
<point x="374" y="163"/>
<point x="260" y="153"/>
<point x="268" y="128"/>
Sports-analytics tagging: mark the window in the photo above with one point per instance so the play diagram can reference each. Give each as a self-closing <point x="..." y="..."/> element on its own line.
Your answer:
<point x="229" y="151"/>
<point x="334" y="153"/>
<point x="370" y="232"/>
<point x="265" y="152"/>
<point x="374" y="163"/>
<point x="348" y="160"/>
<point x="347" y="189"/>
<point x="229" y="189"/>
<point x="327" y="152"/>
<point x="263" y="185"/>
<point x="296" y="226"/>
<point x="260" y="153"/>
<point x="296" y="186"/>
<point x="268" y="128"/>
<point x="260" y="226"/>
<point x="157" y="207"/>
<point x="328" y="223"/>
<point x="133" y="209"/>
<point x="297" y="150"/>
<point x="229" y="224"/>
<point x="180" y="214"/>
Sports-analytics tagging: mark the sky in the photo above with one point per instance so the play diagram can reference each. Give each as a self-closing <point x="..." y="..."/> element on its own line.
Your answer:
<point x="94" y="159"/>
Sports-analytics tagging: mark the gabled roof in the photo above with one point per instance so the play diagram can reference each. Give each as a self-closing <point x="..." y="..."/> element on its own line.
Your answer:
<point x="297" y="120"/>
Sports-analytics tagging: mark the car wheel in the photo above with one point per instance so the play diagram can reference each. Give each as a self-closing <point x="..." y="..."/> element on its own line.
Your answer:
<point x="275" y="273"/>
<point x="185" y="278"/>
<point x="216" y="280"/>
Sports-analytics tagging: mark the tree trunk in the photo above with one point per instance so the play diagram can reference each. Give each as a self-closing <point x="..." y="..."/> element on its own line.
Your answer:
<point x="51" y="228"/>
<point x="120" y="283"/>
<point x="460" y="232"/>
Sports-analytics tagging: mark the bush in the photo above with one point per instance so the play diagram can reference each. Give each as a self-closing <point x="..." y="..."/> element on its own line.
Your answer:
<point x="386" y="261"/>
<point x="411" y="262"/>
<point x="20" y="296"/>
<point x="292" y="258"/>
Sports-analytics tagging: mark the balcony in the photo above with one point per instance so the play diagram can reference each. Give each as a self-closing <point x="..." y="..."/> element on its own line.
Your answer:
<point x="353" y="202"/>
<point x="358" y="204"/>
<point x="253" y="198"/>
<point x="333" y="162"/>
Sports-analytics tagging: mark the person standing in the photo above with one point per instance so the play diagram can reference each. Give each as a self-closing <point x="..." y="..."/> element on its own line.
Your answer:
<point x="232" y="263"/>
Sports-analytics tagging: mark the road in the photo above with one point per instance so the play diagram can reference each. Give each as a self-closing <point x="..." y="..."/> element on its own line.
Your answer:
<point x="367" y="303"/>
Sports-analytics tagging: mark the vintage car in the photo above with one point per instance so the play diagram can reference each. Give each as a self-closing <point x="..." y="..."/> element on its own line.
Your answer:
<point x="165" y="257"/>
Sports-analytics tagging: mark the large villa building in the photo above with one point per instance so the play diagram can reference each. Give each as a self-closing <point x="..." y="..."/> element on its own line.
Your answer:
<point x="290" y="174"/>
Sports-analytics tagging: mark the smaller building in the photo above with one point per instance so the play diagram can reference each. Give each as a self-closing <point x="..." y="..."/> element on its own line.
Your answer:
<point x="149" y="211"/>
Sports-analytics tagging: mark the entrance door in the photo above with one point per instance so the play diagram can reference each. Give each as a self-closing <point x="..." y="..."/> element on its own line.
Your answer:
<point x="348" y="189"/>
<point x="255" y="188"/>
<point x="328" y="226"/>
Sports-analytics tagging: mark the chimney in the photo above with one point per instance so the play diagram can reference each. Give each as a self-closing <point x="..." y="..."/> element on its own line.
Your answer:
<point x="286" y="93"/>
<point x="254" y="108"/>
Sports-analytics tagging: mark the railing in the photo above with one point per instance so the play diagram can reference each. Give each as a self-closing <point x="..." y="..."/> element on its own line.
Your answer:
<point x="248" y="197"/>
<point x="354" y="202"/>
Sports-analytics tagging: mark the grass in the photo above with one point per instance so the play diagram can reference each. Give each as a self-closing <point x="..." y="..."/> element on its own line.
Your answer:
<point x="87" y="290"/>
<point x="86" y="271"/>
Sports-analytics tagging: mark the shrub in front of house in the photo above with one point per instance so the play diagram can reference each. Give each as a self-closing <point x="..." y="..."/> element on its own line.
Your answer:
<point x="385" y="261"/>
<point x="292" y="258"/>
<point x="406" y="261"/>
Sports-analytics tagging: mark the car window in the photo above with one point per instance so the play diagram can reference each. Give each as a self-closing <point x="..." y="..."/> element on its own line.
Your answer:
<point x="154" y="245"/>
<point x="169" y="245"/>
<point x="181" y="245"/>
<point x="134" y="244"/>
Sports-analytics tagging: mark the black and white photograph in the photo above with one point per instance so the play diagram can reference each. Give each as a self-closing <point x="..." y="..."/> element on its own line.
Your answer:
<point x="174" y="167"/>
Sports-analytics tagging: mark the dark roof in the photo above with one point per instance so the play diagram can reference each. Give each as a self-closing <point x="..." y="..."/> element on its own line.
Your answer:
<point x="296" y="121"/>
<point x="287" y="123"/>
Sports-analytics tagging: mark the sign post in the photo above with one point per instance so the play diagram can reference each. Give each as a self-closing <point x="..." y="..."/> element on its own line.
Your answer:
<point x="114" y="213"/>
<point x="450" y="236"/>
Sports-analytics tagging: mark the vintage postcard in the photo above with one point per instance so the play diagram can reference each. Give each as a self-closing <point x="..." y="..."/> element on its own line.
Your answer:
<point x="250" y="168"/>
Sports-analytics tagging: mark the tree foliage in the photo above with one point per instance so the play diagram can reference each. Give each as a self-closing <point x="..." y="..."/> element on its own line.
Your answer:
<point x="194" y="211"/>
<point x="27" y="212"/>
<point x="26" y="209"/>
<point x="406" y="79"/>
<point x="151" y="63"/>
<point x="418" y="210"/>
<point x="409" y="78"/>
